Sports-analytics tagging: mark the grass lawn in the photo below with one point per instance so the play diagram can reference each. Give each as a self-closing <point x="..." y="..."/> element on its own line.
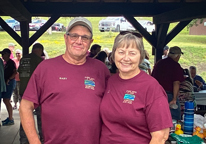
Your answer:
<point x="194" y="47"/>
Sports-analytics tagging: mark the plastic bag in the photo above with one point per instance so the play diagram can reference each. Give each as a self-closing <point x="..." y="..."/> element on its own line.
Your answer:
<point x="199" y="121"/>
<point x="186" y="140"/>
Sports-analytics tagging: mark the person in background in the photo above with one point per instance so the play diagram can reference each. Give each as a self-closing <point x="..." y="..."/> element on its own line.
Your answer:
<point x="165" y="52"/>
<point x="199" y="83"/>
<point x="94" y="50"/>
<point x="2" y="83"/>
<point x="134" y="108"/>
<point x="28" y="64"/>
<point x="9" y="77"/>
<point x="45" y="55"/>
<point x="101" y="56"/>
<point x="186" y="90"/>
<point x="11" y="47"/>
<point x="69" y="89"/>
<point x="113" y="69"/>
<point x="145" y="65"/>
<point x="16" y="96"/>
<point x="169" y="74"/>
<point x="107" y="62"/>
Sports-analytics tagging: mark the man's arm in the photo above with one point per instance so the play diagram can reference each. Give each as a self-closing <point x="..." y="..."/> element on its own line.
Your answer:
<point x="159" y="137"/>
<point x="27" y="120"/>
<point x="176" y="86"/>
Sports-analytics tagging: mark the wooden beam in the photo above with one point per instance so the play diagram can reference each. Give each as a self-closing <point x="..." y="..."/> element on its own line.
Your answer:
<point x="10" y="31"/>
<point x="15" y="9"/>
<point x="25" y="36"/>
<point x="177" y="29"/>
<point x="196" y="10"/>
<point x="160" y="33"/>
<point x="98" y="8"/>
<point x="43" y="29"/>
<point x="139" y="27"/>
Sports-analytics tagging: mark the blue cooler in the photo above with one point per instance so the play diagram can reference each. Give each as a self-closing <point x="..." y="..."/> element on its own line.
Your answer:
<point x="189" y="117"/>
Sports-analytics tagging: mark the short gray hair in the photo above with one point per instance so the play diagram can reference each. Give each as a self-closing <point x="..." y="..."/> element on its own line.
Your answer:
<point x="173" y="56"/>
<point x="127" y="40"/>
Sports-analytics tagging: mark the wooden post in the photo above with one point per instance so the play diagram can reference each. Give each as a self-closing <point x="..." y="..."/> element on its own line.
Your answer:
<point x="25" y="36"/>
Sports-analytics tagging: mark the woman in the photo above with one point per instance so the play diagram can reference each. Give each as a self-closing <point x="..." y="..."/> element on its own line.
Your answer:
<point x="134" y="108"/>
<point x="145" y="65"/>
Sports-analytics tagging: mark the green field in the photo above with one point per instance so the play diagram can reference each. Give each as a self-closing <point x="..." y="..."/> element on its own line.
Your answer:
<point x="194" y="47"/>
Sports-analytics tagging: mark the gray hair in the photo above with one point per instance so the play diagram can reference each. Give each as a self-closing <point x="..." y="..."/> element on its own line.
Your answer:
<point x="173" y="56"/>
<point x="127" y="40"/>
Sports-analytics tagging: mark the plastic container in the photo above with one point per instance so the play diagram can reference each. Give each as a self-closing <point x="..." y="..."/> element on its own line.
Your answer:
<point x="188" y="117"/>
<point x="204" y="126"/>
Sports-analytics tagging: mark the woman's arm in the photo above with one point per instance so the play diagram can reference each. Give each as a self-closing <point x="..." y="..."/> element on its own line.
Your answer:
<point x="159" y="137"/>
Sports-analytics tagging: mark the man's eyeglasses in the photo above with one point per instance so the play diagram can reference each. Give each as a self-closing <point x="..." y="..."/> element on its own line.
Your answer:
<point x="133" y="33"/>
<point x="17" y="53"/>
<point x="75" y="36"/>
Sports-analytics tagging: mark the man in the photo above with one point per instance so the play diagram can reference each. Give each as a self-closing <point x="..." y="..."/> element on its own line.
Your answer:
<point x="2" y="83"/>
<point x="169" y="74"/>
<point x="9" y="78"/>
<point x="11" y="47"/>
<point x="27" y="66"/>
<point x="95" y="49"/>
<point x="198" y="81"/>
<point x="16" y="96"/>
<point x="69" y="89"/>
<point x="165" y="52"/>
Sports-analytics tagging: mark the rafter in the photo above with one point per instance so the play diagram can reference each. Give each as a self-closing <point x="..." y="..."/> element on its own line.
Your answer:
<point x="15" y="9"/>
<point x="196" y="10"/>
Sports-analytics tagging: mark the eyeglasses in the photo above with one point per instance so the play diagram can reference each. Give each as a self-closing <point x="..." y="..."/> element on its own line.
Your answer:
<point x="75" y="36"/>
<point x="17" y="53"/>
<point x="130" y="32"/>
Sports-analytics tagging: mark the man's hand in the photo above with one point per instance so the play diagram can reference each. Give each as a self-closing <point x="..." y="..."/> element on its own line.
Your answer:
<point x="200" y="84"/>
<point x="173" y="102"/>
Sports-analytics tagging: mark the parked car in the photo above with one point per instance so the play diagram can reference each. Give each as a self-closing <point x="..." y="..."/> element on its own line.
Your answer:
<point x="146" y="24"/>
<point x="14" y="24"/>
<point x="36" y="24"/>
<point x="58" y="27"/>
<point x="113" y="24"/>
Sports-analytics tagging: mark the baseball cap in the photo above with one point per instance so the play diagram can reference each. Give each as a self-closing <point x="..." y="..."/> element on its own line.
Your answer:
<point x="175" y="50"/>
<point x="79" y="21"/>
<point x="11" y="44"/>
<point x="6" y="50"/>
<point x="166" y="47"/>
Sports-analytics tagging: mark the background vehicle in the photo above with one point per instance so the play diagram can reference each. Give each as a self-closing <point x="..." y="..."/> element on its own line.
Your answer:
<point x="113" y="23"/>
<point x="146" y="24"/>
<point x="14" y="24"/>
<point x="58" y="27"/>
<point x="36" y="24"/>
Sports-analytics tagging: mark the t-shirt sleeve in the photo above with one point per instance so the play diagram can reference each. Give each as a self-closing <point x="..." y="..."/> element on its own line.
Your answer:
<point x="158" y="115"/>
<point x="178" y="74"/>
<point x="33" y="89"/>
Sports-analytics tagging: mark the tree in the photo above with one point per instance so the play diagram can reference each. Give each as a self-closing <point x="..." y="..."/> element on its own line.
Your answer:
<point x="195" y="22"/>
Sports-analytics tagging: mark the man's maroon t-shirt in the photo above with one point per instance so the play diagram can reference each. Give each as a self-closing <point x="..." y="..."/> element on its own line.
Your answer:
<point x="69" y="96"/>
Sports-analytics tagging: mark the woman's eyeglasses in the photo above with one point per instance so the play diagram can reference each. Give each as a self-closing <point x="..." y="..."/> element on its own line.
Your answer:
<point x="130" y="32"/>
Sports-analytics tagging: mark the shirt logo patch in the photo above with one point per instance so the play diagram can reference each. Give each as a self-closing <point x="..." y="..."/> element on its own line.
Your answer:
<point x="89" y="83"/>
<point x="129" y="96"/>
